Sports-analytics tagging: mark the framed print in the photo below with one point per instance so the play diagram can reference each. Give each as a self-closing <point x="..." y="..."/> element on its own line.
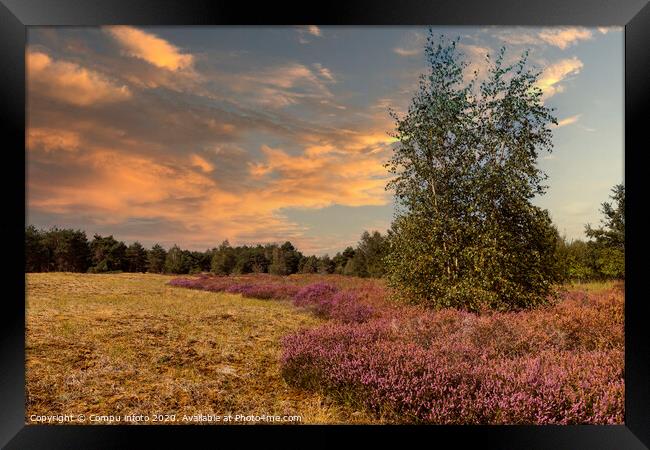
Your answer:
<point x="368" y="218"/>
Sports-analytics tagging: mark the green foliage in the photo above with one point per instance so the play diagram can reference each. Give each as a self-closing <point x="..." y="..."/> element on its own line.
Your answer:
<point x="36" y="255"/>
<point x="326" y="265"/>
<point x="69" y="250"/>
<point x="107" y="254"/>
<point x="603" y="256"/>
<point x="356" y="266"/>
<point x="62" y="250"/>
<point x="285" y="259"/>
<point x="608" y="241"/>
<point x="341" y="260"/>
<point x="156" y="259"/>
<point x="372" y="250"/>
<point x="308" y="264"/>
<point x="223" y="261"/>
<point x="176" y="261"/>
<point x="464" y="172"/>
<point x="576" y="259"/>
<point x="136" y="258"/>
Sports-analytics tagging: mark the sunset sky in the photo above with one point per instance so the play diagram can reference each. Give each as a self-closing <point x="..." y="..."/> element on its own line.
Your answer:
<point x="191" y="135"/>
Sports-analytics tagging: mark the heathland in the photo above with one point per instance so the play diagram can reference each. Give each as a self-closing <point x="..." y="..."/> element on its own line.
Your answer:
<point x="327" y="348"/>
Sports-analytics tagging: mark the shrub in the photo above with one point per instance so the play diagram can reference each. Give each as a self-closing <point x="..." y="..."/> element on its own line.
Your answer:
<point x="314" y="294"/>
<point x="345" y="307"/>
<point x="268" y="291"/>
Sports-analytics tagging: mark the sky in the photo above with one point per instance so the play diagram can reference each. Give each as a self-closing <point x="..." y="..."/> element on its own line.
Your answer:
<point x="193" y="135"/>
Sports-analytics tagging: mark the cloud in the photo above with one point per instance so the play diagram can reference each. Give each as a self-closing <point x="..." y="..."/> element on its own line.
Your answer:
<point x="69" y="82"/>
<point x="561" y="37"/>
<point x="201" y="163"/>
<point x="555" y="73"/>
<point x="314" y="30"/>
<point x="112" y="185"/>
<point x="214" y="158"/>
<point x="51" y="140"/>
<point x="412" y="44"/>
<point x="149" y="47"/>
<point x="407" y="52"/>
<point x="605" y="30"/>
<point x="324" y="72"/>
<point x="308" y="30"/>
<point x="568" y="121"/>
<point x="285" y="85"/>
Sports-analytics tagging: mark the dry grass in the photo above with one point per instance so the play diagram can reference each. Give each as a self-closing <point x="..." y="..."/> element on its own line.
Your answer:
<point x="129" y="344"/>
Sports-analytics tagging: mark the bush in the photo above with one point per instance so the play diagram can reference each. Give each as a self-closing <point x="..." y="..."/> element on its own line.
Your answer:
<point x="345" y="307"/>
<point x="314" y="294"/>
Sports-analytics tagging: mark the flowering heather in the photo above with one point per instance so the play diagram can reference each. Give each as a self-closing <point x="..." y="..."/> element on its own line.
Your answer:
<point x="325" y="300"/>
<point x="183" y="282"/>
<point x="314" y="294"/>
<point x="346" y="307"/>
<point x="557" y="365"/>
<point x="329" y="302"/>
<point x="258" y="286"/>
<point x="264" y="291"/>
<point x="561" y="364"/>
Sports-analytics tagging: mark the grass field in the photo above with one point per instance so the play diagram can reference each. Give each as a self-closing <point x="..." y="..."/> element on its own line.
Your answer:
<point x="130" y="344"/>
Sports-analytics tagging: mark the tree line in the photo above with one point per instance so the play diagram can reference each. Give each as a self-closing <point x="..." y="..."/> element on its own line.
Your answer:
<point x="68" y="250"/>
<point x="602" y="256"/>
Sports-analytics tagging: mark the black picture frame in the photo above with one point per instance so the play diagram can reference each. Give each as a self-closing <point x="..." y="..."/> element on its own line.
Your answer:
<point x="16" y="15"/>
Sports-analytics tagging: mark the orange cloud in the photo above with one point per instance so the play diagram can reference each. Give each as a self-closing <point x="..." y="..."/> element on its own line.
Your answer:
<point x="51" y="140"/>
<point x="563" y="37"/>
<point x="312" y="30"/>
<point x="568" y="121"/>
<point x="151" y="48"/>
<point x="201" y="163"/>
<point x="553" y="75"/>
<point x="69" y="82"/>
<point x="113" y="186"/>
<point x="321" y="176"/>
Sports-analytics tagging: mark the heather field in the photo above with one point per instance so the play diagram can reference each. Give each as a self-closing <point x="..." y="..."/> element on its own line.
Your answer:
<point x="328" y="348"/>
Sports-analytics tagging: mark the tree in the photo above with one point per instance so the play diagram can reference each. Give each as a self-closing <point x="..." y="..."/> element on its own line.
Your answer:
<point x="223" y="261"/>
<point x="326" y="265"/>
<point x="356" y="266"/>
<point x="176" y="261"/>
<point x="285" y="260"/>
<point x="341" y="259"/>
<point x="608" y="241"/>
<point x="156" y="259"/>
<point x="136" y="258"/>
<point x="464" y="172"/>
<point x="36" y="255"/>
<point x="577" y="260"/>
<point x="373" y="247"/>
<point x="259" y="263"/>
<point x="107" y="254"/>
<point x="309" y="264"/>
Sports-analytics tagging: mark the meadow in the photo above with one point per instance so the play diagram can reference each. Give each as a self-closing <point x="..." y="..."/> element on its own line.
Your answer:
<point x="119" y="344"/>
<point x="329" y="348"/>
